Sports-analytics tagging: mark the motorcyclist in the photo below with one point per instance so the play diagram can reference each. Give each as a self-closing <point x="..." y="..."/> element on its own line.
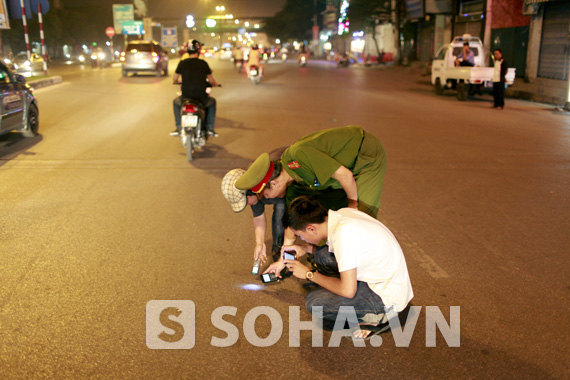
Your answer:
<point x="196" y="77"/>
<point x="304" y="53"/>
<point x="253" y="59"/>
<point x="238" y="56"/>
<point x="284" y="51"/>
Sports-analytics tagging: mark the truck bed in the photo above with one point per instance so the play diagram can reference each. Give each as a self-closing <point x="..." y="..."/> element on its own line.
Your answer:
<point x="476" y="74"/>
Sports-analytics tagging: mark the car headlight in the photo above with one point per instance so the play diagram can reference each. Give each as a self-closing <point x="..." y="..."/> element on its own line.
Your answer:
<point x="81" y="58"/>
<point x="101" y="55"/>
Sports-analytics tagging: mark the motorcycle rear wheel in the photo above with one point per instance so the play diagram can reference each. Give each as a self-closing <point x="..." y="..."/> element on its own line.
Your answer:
<point x="189" y="146"/>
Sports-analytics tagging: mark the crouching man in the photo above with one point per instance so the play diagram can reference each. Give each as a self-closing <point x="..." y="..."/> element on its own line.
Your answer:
<point x="362" y="266"/>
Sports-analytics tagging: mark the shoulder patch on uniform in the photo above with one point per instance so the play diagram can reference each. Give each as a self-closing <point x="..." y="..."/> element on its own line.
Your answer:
<point x="294" y="165"/>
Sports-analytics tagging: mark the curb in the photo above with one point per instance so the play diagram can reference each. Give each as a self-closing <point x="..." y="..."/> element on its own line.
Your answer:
<point x="36" y="84"/>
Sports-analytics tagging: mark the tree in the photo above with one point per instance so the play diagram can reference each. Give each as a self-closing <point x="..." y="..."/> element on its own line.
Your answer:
<point x="295" y="20"/>
<point x="366" y="14"/>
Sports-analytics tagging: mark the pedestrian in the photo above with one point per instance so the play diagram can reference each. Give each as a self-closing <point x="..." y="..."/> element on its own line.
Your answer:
<point x="346" y="158"/>
<point x="368" y="267"/>
<point x="499" y="80"/>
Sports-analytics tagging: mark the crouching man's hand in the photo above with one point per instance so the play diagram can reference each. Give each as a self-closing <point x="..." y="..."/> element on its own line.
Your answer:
<point x="276" y="268"/>
<point x="300" y="250"/>
<point x="298" y="269"/>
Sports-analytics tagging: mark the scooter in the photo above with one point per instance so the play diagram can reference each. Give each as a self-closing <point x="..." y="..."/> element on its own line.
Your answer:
<point x="284" y="57"/>
<point x="254" y="74"/>
<point x="239" y="65"/>
<point x="343" y="61"/>
<point x="193" y="133"/>
<point x="302" y="61"/>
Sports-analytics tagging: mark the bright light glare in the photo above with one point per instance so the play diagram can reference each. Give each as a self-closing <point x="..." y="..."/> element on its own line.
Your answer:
<point x="251" y="287"/>
<point x="256" y="26"/>
<point x="190" y="21"/>
<point x="246" y="23"/>
<point x="210" y="23"/>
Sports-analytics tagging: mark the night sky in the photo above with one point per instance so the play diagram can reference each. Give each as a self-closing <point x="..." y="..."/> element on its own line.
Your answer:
<point x="178" y="9"/>
<point x="201" y="8"/>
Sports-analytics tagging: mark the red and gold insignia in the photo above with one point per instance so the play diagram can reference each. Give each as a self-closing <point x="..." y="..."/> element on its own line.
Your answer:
<point x="294" y="165"/>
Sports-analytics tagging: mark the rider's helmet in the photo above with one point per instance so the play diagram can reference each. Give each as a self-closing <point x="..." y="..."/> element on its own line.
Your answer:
<point x="193" y="46"/>
<point x="255" y="47"/>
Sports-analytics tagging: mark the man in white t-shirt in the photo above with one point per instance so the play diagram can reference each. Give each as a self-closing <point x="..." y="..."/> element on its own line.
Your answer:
<point x="372" y="272"/>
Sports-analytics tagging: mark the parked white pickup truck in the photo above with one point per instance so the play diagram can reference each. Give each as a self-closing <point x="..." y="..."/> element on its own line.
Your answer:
<point x="464" y="79"/>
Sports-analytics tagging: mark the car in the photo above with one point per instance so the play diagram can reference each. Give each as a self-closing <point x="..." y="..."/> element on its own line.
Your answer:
<point x="225" y="54"/>
<point x="19" y="107"/>
<point x="207" y="52"/>
<point x="28" y="67"/>
<point x="144" y="56"/>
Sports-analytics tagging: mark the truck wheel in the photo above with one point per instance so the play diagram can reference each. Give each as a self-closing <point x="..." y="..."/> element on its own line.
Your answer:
<point x="461" y="91"/>
<point x="438" y="87"/>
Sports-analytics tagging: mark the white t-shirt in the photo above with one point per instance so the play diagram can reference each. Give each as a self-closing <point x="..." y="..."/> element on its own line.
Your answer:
<point x="497" y="71"/>
<point x="362" y="242"/>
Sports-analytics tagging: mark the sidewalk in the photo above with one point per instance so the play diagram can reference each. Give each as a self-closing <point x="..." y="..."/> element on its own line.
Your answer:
<point x="541" y="91"/>
<point x="45" y="82"/>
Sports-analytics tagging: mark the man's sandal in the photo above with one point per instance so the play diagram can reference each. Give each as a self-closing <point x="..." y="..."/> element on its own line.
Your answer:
<point x="374" y="330"/>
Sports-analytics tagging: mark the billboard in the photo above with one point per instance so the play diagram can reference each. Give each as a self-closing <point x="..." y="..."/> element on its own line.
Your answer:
<point x="169" y="37"/>
<point x="122" y="13"/>
<point x="4" y="22"/>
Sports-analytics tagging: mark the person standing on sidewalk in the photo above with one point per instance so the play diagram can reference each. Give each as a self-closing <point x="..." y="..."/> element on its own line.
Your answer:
<point x="499" y="80"/>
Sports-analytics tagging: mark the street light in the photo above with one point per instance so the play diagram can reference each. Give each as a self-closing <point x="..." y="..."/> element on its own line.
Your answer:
<point x="190" y="21"/>
<point x="220" y="8"/>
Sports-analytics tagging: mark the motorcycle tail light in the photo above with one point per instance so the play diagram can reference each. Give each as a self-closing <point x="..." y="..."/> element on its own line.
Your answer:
<point x="189" y="108"/>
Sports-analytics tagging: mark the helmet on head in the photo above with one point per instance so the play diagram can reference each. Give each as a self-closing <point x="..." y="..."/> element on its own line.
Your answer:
<point x="255" y="47"/>
<point x="193" y="46"/>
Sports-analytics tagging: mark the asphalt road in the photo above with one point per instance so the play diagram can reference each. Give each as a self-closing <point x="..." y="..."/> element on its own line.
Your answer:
<point x="102" y="213"/>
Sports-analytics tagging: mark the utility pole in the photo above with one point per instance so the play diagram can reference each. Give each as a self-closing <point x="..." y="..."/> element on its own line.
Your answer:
<point x="488" y="21"/>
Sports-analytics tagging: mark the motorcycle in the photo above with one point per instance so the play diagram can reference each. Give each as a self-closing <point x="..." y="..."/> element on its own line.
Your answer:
<point x="284" y="57"/>
<point x="239" y="65"/>
<point x="254" y="74"/>
<point x="193" y="133"/>
<point x="343" y="61"/>
<point x="302" y="61"/>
